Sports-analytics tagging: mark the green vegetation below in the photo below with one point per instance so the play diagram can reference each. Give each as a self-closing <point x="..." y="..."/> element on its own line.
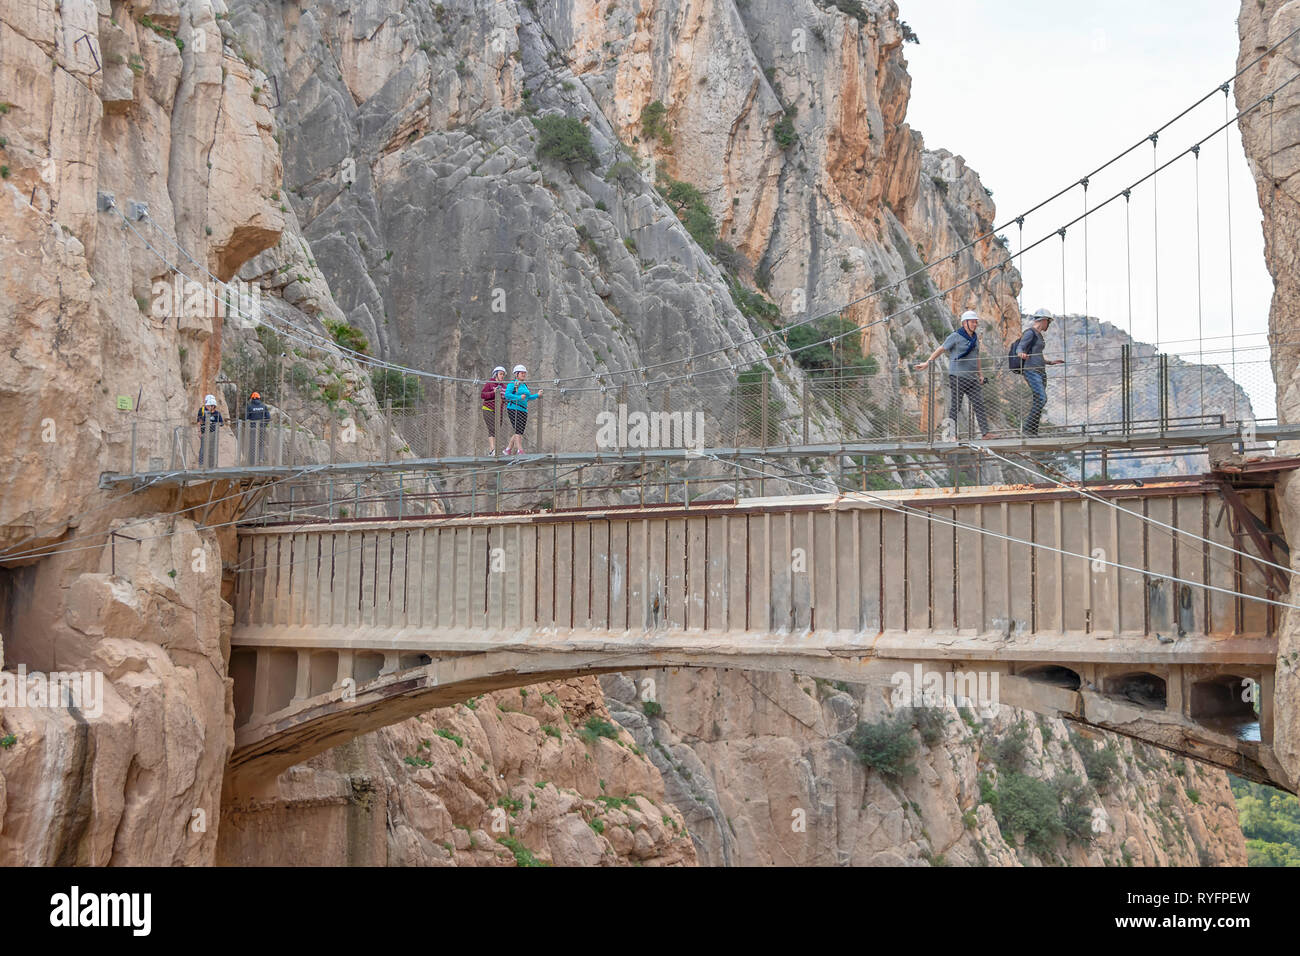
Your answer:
<point x="1270" y="821"/>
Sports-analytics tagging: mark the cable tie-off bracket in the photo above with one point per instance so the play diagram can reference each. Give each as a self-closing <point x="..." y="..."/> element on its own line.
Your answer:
<point x="105" y="202"/>
<point x="1196" y="151"/>
<point x="1154" y="137"/>
<point x="137" y="210"/>
<point x="1126" y="193"/>
<point x="1061" y="232"/>
<point x="1084" y="183"/>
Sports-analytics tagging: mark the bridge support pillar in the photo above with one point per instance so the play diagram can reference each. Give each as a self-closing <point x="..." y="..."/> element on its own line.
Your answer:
<point x="345" y="669"/>
<point x="262" y="682"/>
<point x="1175" y="691"/>
<point x="391" y="659"/>
<point x="1266" y="687"/>
<point x="302" y="686"/>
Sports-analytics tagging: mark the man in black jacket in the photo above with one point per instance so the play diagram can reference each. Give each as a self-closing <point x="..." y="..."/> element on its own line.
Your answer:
<point x="257" y="416"/>
<point x="1034" y="366"/>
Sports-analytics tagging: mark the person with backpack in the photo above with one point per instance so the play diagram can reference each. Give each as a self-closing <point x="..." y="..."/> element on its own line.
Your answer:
<point x="209" y="421"/>
<point x="517" y="398"/>
<point x="1026" y="357"/>
<point x="965" y="375"/>
<point x="488" y="397"/>
<point x="257" y="415"/>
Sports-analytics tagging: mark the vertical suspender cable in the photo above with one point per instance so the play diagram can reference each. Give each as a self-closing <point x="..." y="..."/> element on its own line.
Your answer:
<point x="1087" y="323"/>
<point x="1155" y="229"/>
<point x="1065" y="345"/>
<point x="1020" y="264"/>
<point x="1128" y="260"/>
<point x="1232" y="316"/>
<point x="1200" y="315"/>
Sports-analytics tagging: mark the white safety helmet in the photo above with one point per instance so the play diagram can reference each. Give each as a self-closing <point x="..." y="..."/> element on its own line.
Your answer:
<point x="519" y="368"/>
<point x="499" y="368"/>
<point x="210" y="400"/>
<point x="1043" y="314"/>
<point x="970" y="316"/>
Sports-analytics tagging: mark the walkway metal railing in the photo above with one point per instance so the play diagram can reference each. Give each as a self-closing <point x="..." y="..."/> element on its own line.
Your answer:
<point x="1125" y="395"/>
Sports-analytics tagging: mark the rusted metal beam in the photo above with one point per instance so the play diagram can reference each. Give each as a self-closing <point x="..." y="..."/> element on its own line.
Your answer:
<point x="1247" y="518"/>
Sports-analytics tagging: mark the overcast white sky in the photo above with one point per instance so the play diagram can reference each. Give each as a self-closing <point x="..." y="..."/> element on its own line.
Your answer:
<point x="1036" y="94"/>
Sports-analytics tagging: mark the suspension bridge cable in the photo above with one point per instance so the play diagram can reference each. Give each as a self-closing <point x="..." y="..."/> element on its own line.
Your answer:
<point x="889" y="504"/>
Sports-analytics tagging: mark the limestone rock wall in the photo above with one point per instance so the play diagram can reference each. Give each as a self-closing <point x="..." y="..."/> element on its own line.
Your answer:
<point x="147" y="102"/>
<point x="1270" y="136"/>
<point x="536" y="774"/>
<point x="455" y="247"/>
<point x="763" y="771"/>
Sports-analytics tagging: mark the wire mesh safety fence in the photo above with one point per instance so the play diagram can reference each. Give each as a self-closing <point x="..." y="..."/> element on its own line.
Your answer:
<point x="1128" y="393"/>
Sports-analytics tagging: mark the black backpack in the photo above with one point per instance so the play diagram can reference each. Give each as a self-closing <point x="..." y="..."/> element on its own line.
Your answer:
<point x="1014" y="361"/>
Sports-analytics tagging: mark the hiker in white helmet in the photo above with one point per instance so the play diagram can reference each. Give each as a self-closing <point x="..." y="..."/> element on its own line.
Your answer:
<point x="490" y="395"/>
<point x="209" y="421"/>
<point x="965" y="374"/>
<point x="517" y="398"/>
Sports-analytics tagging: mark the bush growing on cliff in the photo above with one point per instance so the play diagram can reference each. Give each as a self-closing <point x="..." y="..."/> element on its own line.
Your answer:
<point x="597" y="727"/>
<point x="753" y="305"/>
<point x="347" y="336"/>
<point x="1027" y="807"/>
<point x="565" y="140"/>
<point x="819" y="357"/>
<point x="930" y="723"/>
<point x="886" y="746"/>
<point x="784" y="129"/>
<point x="1100" y="763"/>
<point x="1012" y="751"/>
<point x="691" y="208"/>
<point x="653" y="125"/>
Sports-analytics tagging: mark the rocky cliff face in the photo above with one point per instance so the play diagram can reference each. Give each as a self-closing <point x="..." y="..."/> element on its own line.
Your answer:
<point x="378" y="163"/>
<point x="139" y="101"/>
<point x="537" y="775"/>
<point x="1270" y="135"/>
<point x="451" y="243"/>
<point x="764" y="770"/>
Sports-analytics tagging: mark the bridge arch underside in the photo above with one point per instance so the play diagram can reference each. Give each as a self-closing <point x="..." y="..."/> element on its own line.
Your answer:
<point x="1199" y="713"/>
<point x="342" y="629"/>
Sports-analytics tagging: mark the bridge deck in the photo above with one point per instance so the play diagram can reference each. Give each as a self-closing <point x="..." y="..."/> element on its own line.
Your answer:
<point x="804" y="563"/>
<point x="1177" y="441"/>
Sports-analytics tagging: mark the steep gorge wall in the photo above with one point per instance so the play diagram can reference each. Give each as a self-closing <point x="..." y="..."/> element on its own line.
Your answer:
<point x="1270" y="136"/>
<point x="144" y="102"/>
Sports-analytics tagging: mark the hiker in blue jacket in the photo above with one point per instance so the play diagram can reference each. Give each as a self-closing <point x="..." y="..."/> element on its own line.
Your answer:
<point x="965" y="376"/>
<point x="517" y="398"/>
<point x="1030" y="351"/>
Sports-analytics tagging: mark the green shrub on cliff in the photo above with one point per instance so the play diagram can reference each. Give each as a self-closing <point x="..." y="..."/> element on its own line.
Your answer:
<point x="565" y="140"/>
<point x="886" y="746"/>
